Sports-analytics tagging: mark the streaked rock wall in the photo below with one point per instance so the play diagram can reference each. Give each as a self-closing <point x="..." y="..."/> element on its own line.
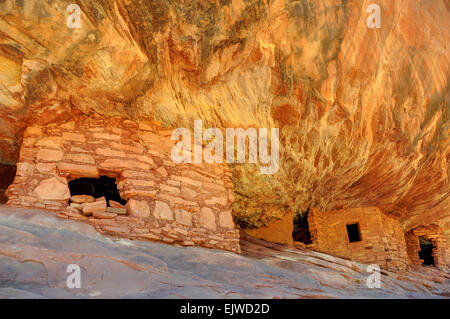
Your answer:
<point x="363" y="113"/>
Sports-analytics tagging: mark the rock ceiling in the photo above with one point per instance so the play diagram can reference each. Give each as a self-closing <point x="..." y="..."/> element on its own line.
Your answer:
<point x="363" y="113"/>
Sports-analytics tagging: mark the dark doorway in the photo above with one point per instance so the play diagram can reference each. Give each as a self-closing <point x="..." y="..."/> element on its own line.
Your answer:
<point x="301" y="228"/>
<point x="426" y="251"/>
<point x="7" y="174"/>
<point x="353" y="233"/>
<point x="97" y="187"/>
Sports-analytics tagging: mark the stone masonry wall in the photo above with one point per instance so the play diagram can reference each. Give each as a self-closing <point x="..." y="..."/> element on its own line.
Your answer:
<point x="187" y="204"/>
<point x="382" y="238"/>
<point x="436" y="236"/>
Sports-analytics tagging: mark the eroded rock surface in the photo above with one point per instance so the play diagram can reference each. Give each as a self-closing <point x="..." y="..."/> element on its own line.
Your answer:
<point x="363" y="113"/>
<point x="36" y="247"/>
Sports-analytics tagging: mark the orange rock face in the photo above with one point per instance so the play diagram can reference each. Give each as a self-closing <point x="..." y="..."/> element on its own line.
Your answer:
<point x="363" y="113"/>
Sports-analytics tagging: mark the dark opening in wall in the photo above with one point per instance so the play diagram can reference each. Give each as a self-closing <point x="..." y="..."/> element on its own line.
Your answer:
<point x="426" y="251"/>
<point x="301" y="228"/>
<point x="96" y="187"/>
<point x="353" y="233"/>
<point x="7" y="174"/>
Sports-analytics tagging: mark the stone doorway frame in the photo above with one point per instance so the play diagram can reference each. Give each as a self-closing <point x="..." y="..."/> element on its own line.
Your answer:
<point x="434" y="234"/>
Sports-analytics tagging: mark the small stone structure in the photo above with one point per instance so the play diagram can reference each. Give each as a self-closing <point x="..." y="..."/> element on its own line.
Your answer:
<point x="187" y="204"/>
<point x="381" y="237"/>
<point x="278" y="231"/>
<point x="432" y="233"/>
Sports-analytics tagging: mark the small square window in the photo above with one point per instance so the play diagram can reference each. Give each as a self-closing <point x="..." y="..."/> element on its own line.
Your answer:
<point x="353" y="233"/>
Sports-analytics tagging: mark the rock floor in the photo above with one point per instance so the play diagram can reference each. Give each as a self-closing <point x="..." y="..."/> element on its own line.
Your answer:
<point x="36" y="247"/>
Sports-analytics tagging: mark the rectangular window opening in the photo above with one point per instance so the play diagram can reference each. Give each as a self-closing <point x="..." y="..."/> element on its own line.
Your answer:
<point x="353" y="233"/>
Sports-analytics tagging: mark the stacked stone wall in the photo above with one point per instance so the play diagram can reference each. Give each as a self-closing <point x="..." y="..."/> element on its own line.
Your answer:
<point x="436" y="236"/>
<point x="187" y="204"/>
<point x="382" y="238"/>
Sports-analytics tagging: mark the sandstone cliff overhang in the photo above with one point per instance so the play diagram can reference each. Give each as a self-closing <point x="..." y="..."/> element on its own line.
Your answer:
<point x="363" y="113"/>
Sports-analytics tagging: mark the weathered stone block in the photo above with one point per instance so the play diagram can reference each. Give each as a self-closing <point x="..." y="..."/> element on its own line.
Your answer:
<point x="103" y="215"/>
<point x="24" y="169"/>
<point x="53" y="189"/>
<point x="162" y="211"/>
<point x="222" y="201"/>
<point x="186" y="180"/>
<point x="161" y="171"/>
<point x="226" y="220"/>
<point x="74" y="137"/>
<point x="183" y="217"/>
<point x="80" y="199"/>
<point x="115" y="204"/>
<point x="50" y="142"/>
<point x="49" y="155"/>
<point x="78" y="170"/>
<point x="109" y="152"/>
<point x="134" y="148"/>
<point x="138" y="208"/>
<point x="116" y="210"/>
<point x="207" y="218"/>
<point x="117" y="163"/>
<point x="97" y="206"/>
<point x="107" y="136"/>
<point x="46" y="167"/>
<point x="82" y="158"/>
<point x="34" y="130"/>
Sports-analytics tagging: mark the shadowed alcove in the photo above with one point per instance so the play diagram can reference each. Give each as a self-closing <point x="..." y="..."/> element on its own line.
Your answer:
<point x="96" y="187"/>
<point x="426" y="251"/>
<point x="301" y="232"/>
<point x="7" y="173"/>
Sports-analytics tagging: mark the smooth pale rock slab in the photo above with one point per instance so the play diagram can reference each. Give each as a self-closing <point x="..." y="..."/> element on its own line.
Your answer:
<point x="109" y="270"/>
<point x="80" y="199"/>
<point x="53" y="189"/>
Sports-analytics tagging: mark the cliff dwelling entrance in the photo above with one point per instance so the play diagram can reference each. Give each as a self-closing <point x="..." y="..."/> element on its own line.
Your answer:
<point x="353" y="233"/>
<point x="96" y="187"/>
<point x="300" y="231"/>
<point x="7" y="173"/>
<point x="427" y="245"/>
<point x="426" y="251"/>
